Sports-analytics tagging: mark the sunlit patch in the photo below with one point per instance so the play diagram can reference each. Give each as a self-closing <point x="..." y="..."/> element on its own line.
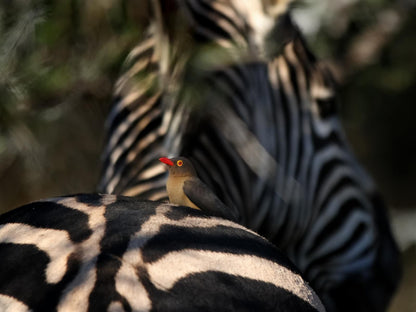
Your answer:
<point x="179" y="163"/>
<point x="55" y="243"/>
<point x="12" y="304"/>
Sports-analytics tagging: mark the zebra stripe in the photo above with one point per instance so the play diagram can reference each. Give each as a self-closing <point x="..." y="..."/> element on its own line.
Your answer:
<point x="263" y="131"/>
<point x="108" y="253"/>
<point x="137" y="104"/>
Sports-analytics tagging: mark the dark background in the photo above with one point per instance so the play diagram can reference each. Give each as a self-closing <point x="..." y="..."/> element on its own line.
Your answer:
<point x="59" y="61"/>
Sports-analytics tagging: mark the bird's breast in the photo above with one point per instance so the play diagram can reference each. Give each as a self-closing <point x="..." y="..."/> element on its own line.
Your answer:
<point x="176" y="194"/>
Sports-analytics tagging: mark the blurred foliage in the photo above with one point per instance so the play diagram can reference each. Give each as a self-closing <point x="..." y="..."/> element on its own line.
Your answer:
<point x="382" y="97"/>
<point x="60" y="59"/>
<point x="58" y="63"/>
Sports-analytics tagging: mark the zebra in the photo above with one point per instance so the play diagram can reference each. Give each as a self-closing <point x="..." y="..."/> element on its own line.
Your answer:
<point x="233" y="86"/>
<point x="92" y="252"/>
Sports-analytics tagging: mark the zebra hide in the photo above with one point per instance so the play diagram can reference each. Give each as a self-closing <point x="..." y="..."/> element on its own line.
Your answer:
<point x="114" y="253"/>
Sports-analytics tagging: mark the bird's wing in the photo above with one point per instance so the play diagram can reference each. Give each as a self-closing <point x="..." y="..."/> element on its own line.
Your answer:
<point x="204" y="198"/>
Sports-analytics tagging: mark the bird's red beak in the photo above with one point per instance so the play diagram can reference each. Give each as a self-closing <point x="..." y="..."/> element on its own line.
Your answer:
<point x="166" y="161"/>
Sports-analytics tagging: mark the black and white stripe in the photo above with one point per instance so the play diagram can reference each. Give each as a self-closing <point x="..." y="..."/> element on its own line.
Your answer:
<point x="108" y="253"/>
<point x="259" y="120"/>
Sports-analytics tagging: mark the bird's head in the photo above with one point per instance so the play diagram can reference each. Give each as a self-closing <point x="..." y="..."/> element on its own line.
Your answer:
<point x="179" y="166"/>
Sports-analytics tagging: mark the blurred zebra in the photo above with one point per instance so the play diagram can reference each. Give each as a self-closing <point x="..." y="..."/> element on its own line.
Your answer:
<point x="233" y="86"/>
<point x="107" y="253"/>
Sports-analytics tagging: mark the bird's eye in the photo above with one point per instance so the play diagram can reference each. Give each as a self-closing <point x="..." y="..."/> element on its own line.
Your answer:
<point x="179" y="163"/>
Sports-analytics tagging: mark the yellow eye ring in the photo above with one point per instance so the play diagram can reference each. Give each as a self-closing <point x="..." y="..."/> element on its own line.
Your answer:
<point x="179" y="163"/>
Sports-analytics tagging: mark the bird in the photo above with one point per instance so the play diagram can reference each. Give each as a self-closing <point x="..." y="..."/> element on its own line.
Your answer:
<point x="186" y="189"/>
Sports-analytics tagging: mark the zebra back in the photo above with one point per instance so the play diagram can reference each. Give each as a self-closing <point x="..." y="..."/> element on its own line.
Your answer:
<point x="108" y="253"/>
<point x="260" y="122"/>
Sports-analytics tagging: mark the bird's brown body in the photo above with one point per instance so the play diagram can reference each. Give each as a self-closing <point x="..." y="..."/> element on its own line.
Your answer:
<point x="186" y="189"/>
<point x="174" y="186"/>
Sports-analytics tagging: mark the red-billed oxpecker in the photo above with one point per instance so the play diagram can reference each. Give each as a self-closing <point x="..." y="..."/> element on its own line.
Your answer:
<point x="186" y="189"/>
